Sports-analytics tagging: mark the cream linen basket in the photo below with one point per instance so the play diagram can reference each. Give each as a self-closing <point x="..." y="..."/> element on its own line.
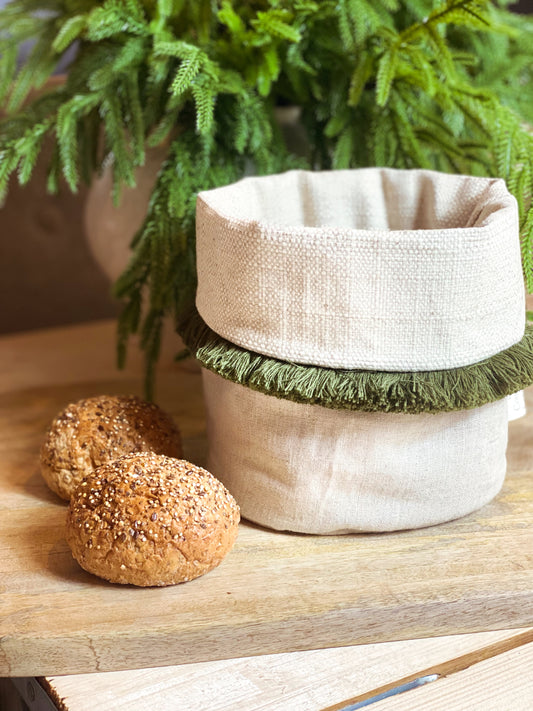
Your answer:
<point x="389" y="271"/>
<point x="312" y="469"/>
<point x="374" y="268"/>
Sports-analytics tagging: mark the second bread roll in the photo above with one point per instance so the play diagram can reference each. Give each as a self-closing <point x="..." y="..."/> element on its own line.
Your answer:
<point x="97" y="430"/>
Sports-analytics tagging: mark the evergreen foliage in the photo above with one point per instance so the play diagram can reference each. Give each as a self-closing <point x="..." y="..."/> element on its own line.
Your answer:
<point x="379" y="82"/>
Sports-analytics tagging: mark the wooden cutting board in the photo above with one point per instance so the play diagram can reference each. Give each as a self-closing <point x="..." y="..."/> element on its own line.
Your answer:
<point x="274" y="592"/>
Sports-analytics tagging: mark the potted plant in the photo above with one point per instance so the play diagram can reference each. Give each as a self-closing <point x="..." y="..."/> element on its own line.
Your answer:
<point x="381" y="83"/>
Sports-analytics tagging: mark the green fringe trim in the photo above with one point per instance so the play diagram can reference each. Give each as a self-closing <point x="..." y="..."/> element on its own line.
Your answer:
<point x="369" y="391"/>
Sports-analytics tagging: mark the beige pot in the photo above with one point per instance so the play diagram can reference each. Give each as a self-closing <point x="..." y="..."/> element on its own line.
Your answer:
<point x="110" y="228"/>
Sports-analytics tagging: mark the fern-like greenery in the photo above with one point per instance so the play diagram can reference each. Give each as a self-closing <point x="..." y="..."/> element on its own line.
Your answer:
<point x="378" y="82"/>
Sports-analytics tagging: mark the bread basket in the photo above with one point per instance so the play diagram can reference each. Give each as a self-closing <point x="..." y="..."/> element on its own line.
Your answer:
<point x="311" y="469"/>
<point x="374" y="268"/>
<point x="360" y="332"/>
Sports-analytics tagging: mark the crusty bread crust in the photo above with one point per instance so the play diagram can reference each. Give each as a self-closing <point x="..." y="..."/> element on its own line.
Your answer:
<point x="147" y="519"/>
<point x="97" y="430"/>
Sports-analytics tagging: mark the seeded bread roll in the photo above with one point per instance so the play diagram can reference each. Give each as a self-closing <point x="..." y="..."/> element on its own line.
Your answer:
<point x="147" y="519"/>
<point x="98" y="430"/>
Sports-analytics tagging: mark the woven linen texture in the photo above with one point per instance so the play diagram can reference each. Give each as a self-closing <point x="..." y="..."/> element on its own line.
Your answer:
<point x="378" y="269"/>
<point x="310" y="469"/>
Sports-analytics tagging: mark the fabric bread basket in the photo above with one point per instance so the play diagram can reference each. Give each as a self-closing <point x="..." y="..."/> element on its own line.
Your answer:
<point x="359" y="332"/>
<point x="374" y="268"/>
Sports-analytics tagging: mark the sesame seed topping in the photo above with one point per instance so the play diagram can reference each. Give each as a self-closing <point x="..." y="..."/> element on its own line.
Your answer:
<point x="145" y="503"/>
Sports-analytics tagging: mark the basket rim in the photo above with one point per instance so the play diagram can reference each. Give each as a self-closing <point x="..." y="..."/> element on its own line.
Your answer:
<point x="276" y="231"/>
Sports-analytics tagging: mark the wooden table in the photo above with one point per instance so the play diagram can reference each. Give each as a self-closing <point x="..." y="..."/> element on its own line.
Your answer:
<point x="403" y="598"/>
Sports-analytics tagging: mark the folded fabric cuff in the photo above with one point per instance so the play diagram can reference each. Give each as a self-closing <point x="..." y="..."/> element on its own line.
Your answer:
<point x="430" y="391"/>
<point x="372" y="269"/>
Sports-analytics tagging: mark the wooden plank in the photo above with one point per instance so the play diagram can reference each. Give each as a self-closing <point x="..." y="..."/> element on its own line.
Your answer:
<point x="498" y="683"/>
<point x="301" y="681"/>
<point x="442" y="669"/>
<point x="274" y="593"/>
<point x="81" y="353"/>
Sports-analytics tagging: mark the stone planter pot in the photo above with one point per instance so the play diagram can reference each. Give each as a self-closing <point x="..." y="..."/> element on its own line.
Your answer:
<point x="110" y="228"/>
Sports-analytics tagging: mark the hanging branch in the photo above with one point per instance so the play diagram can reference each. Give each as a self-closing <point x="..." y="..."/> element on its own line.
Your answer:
<point x="378" y="82"/>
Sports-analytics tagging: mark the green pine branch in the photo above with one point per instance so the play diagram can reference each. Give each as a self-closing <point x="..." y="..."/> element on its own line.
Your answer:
<point x="377" y="82"/>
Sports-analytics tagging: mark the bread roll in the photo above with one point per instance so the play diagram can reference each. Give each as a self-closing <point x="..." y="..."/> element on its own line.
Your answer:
<point x="100" y="429"/>
<point x="147" y="519"/>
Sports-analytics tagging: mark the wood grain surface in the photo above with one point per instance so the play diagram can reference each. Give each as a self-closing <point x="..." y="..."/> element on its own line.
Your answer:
<point x="322" y="679"/>
<point x="501" y="683"/>
<point x="274" y="593"/>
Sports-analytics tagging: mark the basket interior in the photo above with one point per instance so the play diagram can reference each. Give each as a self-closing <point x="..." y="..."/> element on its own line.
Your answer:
<point x="373" y="199"/>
